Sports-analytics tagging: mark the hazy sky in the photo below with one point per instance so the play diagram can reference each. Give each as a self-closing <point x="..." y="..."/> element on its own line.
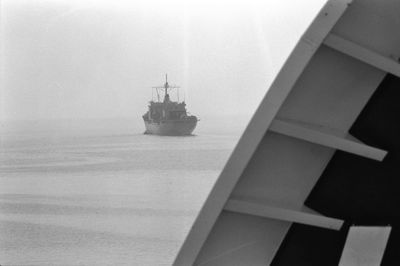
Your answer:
<point x="92" y="59"/>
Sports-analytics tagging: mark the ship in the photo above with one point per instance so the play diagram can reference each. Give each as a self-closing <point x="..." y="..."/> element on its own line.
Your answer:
<point x="167" y="117"/>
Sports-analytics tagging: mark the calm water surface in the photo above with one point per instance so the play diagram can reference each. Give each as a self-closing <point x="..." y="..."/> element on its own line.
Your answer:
<point x="102" y="193"/>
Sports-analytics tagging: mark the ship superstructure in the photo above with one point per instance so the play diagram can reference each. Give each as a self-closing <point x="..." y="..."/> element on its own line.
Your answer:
<point x="167" y="117"/>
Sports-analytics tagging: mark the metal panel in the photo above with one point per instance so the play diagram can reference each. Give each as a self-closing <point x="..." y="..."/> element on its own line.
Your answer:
<point x="331" y="93"/>
<point x="241" y="239"/>
<point x="373" y="25"/>
<point x="246" y="146"/>
<point x="328" y="90"/>
<point x="365" y="246"/>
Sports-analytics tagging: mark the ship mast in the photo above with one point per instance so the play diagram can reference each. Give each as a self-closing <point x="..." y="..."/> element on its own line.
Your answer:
<point x="166" y="86"/>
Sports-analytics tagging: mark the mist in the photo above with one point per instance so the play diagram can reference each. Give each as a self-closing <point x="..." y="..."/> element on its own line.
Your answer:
<point x="99" y="59"/>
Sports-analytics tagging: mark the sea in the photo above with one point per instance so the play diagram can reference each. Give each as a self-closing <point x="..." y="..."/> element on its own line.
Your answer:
<point x="100" y="192"/>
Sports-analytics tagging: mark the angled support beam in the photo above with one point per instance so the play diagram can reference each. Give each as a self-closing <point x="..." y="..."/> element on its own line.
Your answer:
<point x="315" y="135"/>
<point x="255" y="131"/>
<point x="363" y="54"/>
<point x="283" y="214"/>
<point x="365" y="245"/>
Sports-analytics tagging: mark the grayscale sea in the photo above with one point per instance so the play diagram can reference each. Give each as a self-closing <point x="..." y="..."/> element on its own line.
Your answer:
<point x="99" y="192"/>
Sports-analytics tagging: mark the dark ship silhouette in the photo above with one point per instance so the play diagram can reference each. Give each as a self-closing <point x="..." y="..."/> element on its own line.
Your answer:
<point x="168" y="118"/>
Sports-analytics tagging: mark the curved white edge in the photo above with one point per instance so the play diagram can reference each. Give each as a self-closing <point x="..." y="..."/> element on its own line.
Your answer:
<point x="258" y="125"/>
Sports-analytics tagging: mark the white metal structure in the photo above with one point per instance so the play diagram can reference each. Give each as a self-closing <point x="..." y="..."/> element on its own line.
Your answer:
<point x="305" y="116"/>
<point x="365" y="246"/>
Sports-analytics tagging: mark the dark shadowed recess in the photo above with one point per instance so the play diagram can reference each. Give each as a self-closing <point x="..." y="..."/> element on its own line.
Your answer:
<point x="360" y="191"/>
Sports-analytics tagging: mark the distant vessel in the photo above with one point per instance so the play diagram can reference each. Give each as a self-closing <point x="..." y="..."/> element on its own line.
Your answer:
<point x="168" y="118"/>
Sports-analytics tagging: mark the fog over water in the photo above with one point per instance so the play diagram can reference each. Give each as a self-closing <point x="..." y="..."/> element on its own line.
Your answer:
<point x="95" y="59"/>
<point x="103" y="193"/>
<point x="80" y="184"/>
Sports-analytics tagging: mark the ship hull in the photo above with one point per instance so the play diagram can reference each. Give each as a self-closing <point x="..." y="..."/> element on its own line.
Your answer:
<point x="171" y="127"/>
